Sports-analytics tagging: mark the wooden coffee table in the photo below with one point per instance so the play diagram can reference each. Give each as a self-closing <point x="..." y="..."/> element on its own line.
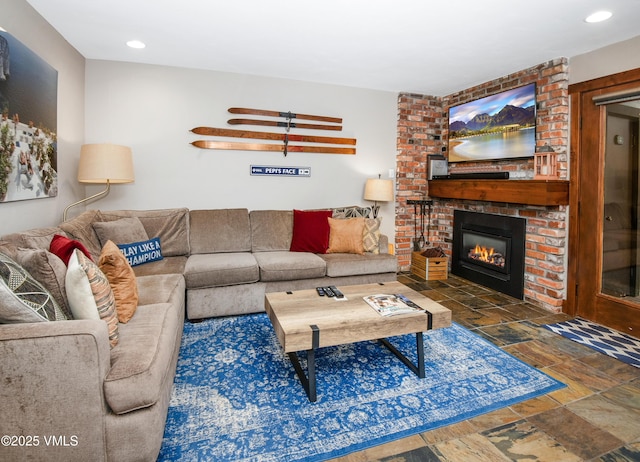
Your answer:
<point x="305" y="321"/>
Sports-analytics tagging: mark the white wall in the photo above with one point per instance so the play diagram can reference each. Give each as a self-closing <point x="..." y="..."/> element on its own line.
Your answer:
<point x="20" y="20"/>
<point x="153" y="108"/>
<point x="619" y="57"/>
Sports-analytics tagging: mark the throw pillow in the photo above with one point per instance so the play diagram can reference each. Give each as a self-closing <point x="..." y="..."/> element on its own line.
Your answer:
<point x="120" y="231"/>
<point x="22" y="298"/>
<point x="371" y="235"/>
<point x="138" y="253"/>
<point x="90" y="295"/>
<point x="48" y="270"/>
<point x="122" y="280"/>
<point x="353" y="211"/>
<point x="345" y="235"/>
<point x="63" y="247"/>
<point x="310" y="231"/>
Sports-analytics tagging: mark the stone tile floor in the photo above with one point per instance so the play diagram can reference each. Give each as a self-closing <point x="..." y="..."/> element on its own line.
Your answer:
<point x="596" y="418"/>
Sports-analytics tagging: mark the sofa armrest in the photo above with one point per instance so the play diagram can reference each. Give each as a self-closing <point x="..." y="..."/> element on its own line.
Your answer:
<point x="51" y="376"/>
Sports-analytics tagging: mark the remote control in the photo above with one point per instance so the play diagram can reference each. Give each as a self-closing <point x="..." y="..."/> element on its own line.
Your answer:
<point x="320" y="291"/>
<point x="328" y="291"/>
<point x="336" y="292"/>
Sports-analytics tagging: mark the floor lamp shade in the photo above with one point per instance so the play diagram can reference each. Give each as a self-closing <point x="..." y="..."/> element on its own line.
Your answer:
<point x="105" y="163"/>
<point x="378" y="190"/>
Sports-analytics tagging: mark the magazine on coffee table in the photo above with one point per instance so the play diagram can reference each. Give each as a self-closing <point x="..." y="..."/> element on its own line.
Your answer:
<point x="391" y="304"/>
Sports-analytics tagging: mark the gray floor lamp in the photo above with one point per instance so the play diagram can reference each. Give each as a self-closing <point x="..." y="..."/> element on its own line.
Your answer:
<point x="103" y="164"/>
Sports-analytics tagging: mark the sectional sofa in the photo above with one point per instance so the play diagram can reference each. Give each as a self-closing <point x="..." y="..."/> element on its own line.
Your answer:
<point x="103" y="388"/>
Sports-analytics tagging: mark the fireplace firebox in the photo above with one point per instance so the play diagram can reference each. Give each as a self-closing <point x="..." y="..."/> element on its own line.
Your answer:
<point x="489" y="249"/>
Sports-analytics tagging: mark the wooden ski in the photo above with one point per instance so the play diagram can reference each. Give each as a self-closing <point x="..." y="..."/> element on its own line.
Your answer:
<point x="231" y="133"/>
<point x="275" y="123"/>
<point x="287" y="115"/>
<point x="205" y="144"/>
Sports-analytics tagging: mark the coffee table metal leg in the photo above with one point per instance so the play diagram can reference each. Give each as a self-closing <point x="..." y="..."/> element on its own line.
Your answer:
<point x="309" y="383"/>
<point x="417" y="369"/>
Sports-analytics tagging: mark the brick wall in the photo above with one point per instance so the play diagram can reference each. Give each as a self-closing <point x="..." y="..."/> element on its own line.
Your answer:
<point x="422" y="130"/>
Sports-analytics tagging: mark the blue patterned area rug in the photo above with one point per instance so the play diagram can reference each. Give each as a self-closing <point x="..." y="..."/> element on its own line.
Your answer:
<point x="236" y="396"/>
<point x="600" y="338"/>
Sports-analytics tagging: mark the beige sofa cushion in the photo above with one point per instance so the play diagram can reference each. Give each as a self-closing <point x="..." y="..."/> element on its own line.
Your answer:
<point x="271" y="230"/>
<point x="142" y="359"/>
<point x="170" y="225"/>
<point x="122" y="231"/>
<point x="350" y="264"/>
<point x="220" y="269"/>
<point x="222" y="230"/>
<point x="81" y="228"/>
<point x="38" y="238"/>
<point x="168" y="265"/>
<point x="288" y="266"/>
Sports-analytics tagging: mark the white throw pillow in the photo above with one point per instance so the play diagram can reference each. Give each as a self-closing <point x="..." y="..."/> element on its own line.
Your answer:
<point x="81" y="300"/>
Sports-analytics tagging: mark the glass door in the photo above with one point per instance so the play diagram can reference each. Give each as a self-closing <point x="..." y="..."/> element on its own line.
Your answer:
<point x="606" y="234"/>
<point x="620" y="257"/>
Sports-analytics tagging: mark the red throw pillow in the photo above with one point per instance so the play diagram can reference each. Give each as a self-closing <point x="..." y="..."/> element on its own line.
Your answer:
<point x="63" y="247"/>
<point x="310" y="231"/>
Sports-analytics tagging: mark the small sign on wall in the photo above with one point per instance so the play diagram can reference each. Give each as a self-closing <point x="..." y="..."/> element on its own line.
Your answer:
<point x="280" y="171"/>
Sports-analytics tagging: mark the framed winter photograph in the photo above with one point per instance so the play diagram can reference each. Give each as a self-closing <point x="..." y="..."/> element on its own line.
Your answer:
<point x="28" y="124"/>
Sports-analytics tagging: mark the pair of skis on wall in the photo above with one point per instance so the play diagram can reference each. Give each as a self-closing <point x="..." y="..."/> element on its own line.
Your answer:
<point x="284" y="137"/>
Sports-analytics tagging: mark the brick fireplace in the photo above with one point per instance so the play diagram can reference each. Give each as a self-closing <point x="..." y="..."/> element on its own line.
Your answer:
<point x="422" y="131"/>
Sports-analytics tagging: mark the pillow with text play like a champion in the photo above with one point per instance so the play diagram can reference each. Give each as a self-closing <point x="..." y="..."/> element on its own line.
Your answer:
<point x="138" y="253"/>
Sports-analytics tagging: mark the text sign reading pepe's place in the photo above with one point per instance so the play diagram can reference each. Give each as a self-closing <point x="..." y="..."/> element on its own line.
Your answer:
<point x="280" y="171"/>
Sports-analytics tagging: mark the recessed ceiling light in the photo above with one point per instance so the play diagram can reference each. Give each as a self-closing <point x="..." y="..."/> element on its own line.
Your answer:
<point x="599" y="16"/>
<point x="135" y="44"/>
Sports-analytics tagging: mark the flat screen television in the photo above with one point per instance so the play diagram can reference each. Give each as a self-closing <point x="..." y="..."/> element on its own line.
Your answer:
<point x="496" y="127"/>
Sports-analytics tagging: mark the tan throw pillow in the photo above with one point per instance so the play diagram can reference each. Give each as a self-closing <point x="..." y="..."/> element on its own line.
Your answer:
<point x="371" y="235"/>
<point x="90" y="295"/>
<point x="122" y="280"/>
<point x="345" y="235"/>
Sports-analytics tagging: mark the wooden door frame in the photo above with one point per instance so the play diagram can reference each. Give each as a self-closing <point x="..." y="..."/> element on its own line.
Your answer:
<point x="576" y="93"/>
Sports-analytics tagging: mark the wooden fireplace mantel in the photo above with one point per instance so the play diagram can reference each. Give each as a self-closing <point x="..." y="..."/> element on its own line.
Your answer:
<point x="529" y="192"/>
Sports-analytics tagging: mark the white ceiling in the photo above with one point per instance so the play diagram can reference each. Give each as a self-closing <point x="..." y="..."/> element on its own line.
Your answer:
<point x="421" y="46"/>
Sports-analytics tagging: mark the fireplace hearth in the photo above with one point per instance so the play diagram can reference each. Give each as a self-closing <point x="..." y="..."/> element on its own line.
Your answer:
<point x="489" y="249"/>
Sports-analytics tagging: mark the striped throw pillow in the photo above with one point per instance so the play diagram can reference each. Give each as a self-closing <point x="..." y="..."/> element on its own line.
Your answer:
<point x="90" y="294"/>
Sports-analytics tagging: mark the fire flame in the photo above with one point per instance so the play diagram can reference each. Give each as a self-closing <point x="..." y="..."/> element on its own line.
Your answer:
<point x="483" y="254"/>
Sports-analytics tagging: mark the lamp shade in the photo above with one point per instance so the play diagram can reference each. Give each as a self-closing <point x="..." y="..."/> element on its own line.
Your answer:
<point x="105" y="163"/>
<point x="378" y="190"/>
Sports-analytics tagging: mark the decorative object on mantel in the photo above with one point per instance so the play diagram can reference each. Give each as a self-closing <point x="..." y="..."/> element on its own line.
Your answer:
<point x="103" y="164"/>
<point x="419" y="242"/>
<point x="284" y="137"/>
<point x="545" y="164"/>
<point x="378" y="190"/>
